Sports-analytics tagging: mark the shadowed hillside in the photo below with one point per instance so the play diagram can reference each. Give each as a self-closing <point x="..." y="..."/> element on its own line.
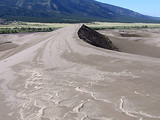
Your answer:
<point x="94" y="38"/>
<point x="67" y="11"/>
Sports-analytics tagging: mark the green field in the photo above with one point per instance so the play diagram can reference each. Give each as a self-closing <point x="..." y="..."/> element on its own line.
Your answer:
<point x="109" y="25"/>
<point x="21" y="27"/>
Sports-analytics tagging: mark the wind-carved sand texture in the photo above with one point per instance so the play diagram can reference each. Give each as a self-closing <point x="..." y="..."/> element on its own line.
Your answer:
<point x="58" y="76"/>
<point x="6" y="46"/>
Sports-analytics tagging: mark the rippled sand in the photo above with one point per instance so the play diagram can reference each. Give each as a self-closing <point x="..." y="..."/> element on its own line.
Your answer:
<point x="57" y="76"/>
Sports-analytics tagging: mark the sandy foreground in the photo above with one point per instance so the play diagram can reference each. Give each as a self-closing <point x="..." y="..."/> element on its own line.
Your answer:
<point x="57" y="76"/>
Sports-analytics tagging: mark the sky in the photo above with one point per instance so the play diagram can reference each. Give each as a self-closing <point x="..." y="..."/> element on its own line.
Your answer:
<point x="146" y="7"/>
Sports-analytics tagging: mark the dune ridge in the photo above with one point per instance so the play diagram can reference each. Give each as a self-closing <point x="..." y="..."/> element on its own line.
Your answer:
<point x="94" y="38"/>
<point x="56" y="75"/>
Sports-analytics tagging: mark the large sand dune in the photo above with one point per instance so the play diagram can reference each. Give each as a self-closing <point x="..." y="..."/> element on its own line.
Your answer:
<point x="57" y="76"/>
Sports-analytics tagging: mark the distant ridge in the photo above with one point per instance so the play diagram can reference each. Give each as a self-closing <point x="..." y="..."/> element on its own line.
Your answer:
<point x="68" y="11"/>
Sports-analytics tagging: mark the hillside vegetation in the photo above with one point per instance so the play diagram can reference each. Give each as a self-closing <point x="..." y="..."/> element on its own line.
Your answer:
<point x="62" y="11"/>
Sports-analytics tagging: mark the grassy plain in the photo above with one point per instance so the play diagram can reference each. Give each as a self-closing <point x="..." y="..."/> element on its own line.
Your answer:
<point x="20" y="27"/>
<point x="109" y="25"/>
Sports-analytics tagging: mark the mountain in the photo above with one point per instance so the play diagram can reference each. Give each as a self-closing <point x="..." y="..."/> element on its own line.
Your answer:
<point x="67" y="10"/>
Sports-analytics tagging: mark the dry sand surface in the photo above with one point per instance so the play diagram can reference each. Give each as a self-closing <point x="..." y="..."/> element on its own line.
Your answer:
<point x="57" y="76"/>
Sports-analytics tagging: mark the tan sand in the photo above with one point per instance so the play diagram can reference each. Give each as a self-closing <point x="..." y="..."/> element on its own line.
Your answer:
<point x="141" y="42"/>
<point x="57" y="76"/>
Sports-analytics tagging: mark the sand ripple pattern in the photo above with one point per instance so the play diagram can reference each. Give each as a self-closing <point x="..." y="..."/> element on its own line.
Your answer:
<point x="75" y="94"/>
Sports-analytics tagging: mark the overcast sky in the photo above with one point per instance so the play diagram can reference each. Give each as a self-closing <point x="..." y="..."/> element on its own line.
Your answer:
<point x="146" y="7"/>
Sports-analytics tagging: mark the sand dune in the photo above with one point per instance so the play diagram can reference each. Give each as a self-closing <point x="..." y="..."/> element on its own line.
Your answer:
<point x="58" y="76"/>
<point x="140" y="42"/>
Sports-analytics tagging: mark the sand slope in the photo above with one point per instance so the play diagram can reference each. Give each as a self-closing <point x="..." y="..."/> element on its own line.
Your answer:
<point x="141" y="42"/>
<point x="57" y="76"/>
